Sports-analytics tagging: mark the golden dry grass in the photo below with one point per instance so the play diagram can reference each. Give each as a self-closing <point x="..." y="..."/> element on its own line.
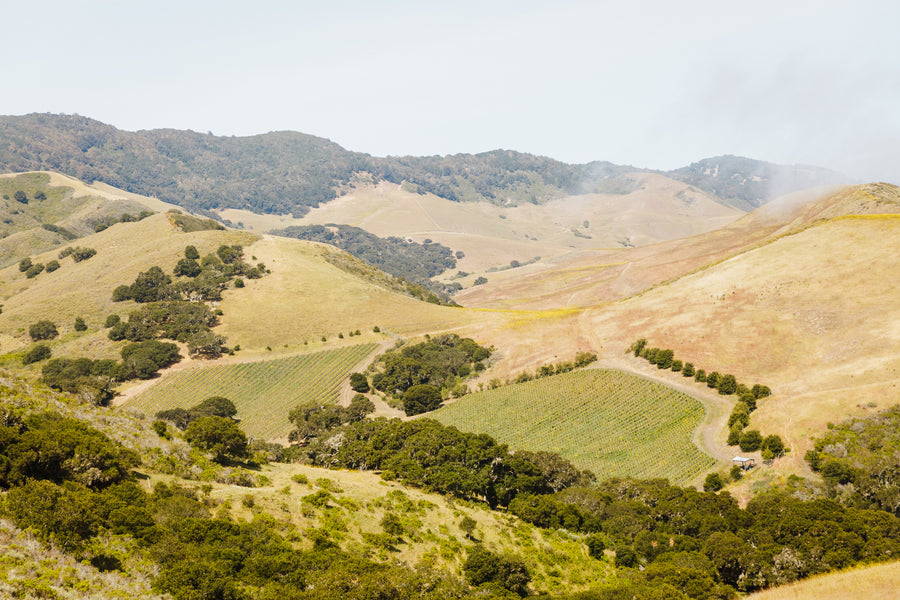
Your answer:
<point x="305" y="297"/>
<point x="85" y="288"/>
<point x="492" y="235"/>
<point x="876" y="582"/>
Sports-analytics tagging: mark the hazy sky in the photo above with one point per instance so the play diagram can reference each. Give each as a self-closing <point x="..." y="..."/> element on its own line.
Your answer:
<point x="654" y="83"/>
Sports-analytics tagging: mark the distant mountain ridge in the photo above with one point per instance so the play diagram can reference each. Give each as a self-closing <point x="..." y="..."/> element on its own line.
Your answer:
<point x="289" y="172"/>
<point x="746" y="183"/>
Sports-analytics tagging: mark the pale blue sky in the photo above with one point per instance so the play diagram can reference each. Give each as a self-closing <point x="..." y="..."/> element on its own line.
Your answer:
<point x="654" y="84"/>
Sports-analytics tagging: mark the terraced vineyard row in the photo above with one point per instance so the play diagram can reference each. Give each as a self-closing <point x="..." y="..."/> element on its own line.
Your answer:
<point x="611" y="422"/>
<point x="263" y="392"/>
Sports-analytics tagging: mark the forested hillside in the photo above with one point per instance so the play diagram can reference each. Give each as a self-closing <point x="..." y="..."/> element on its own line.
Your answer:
<point x="288" y="172"/>
<point x="746" y="184"/>
<point x="407" y="259"/>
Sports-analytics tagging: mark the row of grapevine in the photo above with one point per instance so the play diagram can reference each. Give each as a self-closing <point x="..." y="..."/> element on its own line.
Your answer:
<point x="610" y="422"/>
<point x="263" y="392"/>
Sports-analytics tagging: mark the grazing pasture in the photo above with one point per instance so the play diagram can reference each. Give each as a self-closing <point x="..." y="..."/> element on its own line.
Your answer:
<point x="263" y="391"/>
<point x="608" y="421"/>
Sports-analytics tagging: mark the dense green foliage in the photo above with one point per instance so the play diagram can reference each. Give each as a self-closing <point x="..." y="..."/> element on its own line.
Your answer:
<point x="859" y="460"/>
<point x="54" y="448"/>
<point x="214" y="406"/>
<point x="487" y="569"/>
<point x="410" y="260"/>
<point x="441" y="361"/>
<point x="43" y="330"/>
<point x="425" y="453"/>
<point x="197" y="281"/>
<point x="36" y="353"/>
<point x="220" y="436"/>
<point x="702" y="542"/>
<point x="314" y="421"/>
<point x="281" y="172"/>
<point x="175" y="320"/>
<point x="421" y="398"/>
<point x="359" y="383"/>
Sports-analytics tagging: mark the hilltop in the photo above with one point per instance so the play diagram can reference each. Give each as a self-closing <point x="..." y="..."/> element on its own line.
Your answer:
<point x="42" y="210"/>
<point x="288" y="172"/>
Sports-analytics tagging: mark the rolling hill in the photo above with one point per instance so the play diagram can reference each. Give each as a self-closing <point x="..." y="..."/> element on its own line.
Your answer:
<point x="287" y="172"/>
<point x="590" y="277"/>
<point x="652" y="209"/>
<point x="314" y="291"/>
<point x="42" y="210"/>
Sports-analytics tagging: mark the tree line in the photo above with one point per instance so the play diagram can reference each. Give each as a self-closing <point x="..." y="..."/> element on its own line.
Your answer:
<point x="749" y="441"/>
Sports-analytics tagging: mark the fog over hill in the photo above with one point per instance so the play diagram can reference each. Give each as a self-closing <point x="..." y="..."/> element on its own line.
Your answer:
<point x="289" y="172"/>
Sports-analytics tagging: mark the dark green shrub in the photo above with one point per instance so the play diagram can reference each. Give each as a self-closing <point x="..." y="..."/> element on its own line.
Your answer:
<point x="484" y="567"/>
<point x="773" y="444"/>
<point x="35" y="270"/>
<point x="713" y="483"/>
<point x="112" y="320"/>
<point x="52" y="266"/>
<point x="43" y="330"/>
<point x="700" y="376"/>
<point x="220" y="436"/>
<point x="37" y="353"/>
<point x="215" y="406"/>
<point x="79" y="254"/>
<point x="712" y="380"/>
<point x="238" y="283"/>
<point x="191" y="253"/>
<point x="359" y="383"/>
<point x="750" y="441"/>
<point x="727" y="384"/>
<point x="688" y="370"/>
<point x="420" y="399"/>
<point x="595" y="546"/>
<point x="187" y="267"/>
<point x="80" y="325"/>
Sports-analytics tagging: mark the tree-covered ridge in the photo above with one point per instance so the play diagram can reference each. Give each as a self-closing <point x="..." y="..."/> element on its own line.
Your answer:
<point x="745" y="183"/>
<point x="705" y="545"/>
<point x="859" y="460"/>
<point x="289" y="172"/>
<point x="410" y="260"/>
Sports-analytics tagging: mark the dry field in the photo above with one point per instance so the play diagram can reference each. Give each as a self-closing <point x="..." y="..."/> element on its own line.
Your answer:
<point x="492" y="236"/>
<point x="876" y="582"/>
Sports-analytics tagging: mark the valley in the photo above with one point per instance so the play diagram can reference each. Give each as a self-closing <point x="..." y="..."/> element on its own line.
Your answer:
<point x="793" y="295"/>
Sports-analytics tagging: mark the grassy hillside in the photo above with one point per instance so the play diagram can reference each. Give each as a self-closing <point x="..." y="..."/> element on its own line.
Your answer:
<point x="55" y="210"/>
<point x="263" y="391"/>
<point x="313" y="291"/>
<point x="877" y="582"/>
<point x="305" y="503"/>
<point x="609" y="422"/>
<point x="820" y="293"/>
<point x="85" y="288"/>
<point x="589" y="277"/>
<point x="652" y="209"/>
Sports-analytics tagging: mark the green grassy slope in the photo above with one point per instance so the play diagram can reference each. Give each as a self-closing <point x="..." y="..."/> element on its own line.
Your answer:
<point x="610" y="422"/>
<point x="263" y="391"/>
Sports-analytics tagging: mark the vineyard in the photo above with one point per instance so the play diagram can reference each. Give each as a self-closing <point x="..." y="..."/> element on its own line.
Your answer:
<point x="610" y="422"/>
<point x="263" y="392"/>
